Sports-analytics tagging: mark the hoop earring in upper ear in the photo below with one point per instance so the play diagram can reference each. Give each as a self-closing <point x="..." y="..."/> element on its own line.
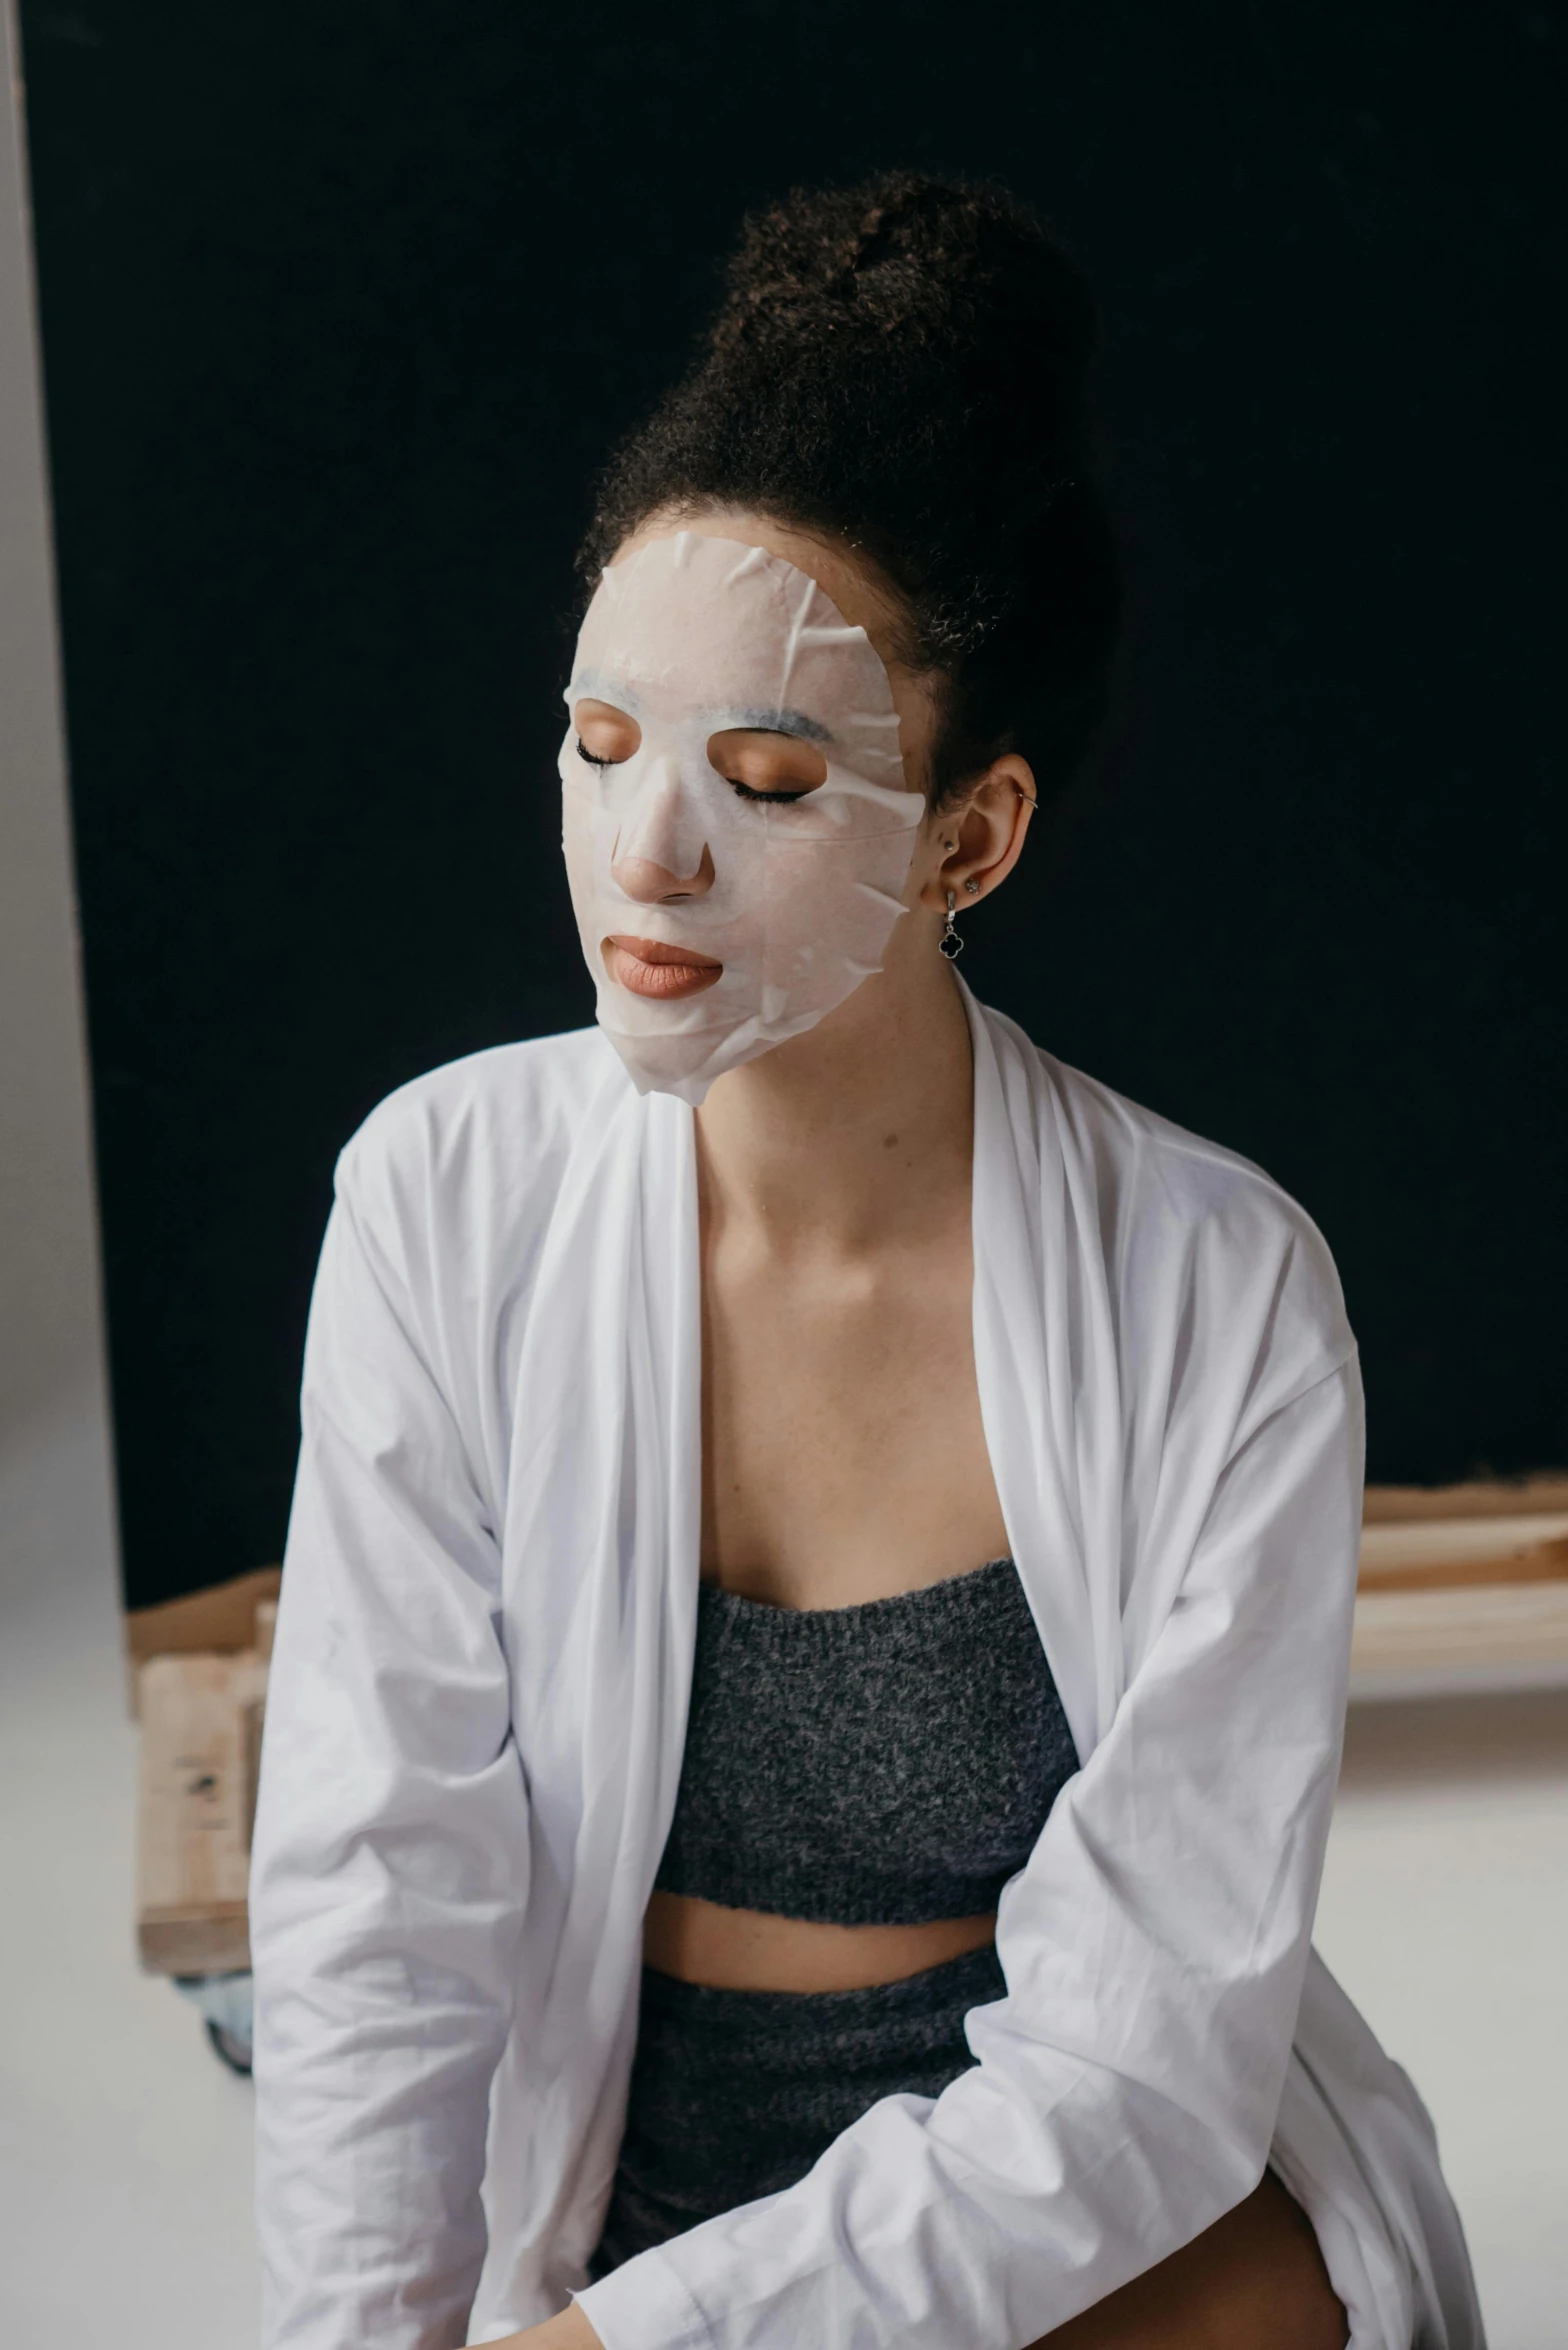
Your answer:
<point x="950" y="943"/>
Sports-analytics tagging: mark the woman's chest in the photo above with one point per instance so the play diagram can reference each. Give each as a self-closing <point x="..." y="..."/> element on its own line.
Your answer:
<point x="844" y="1456"/>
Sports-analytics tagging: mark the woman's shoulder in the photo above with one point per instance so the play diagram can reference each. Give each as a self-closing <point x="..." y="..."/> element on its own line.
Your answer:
<point x="479" y="1139"/>
<point x="1202" y="1180"/>
<point x="1131" y="1149"/>
<point x="1192" y="1232"/>
<point x="1230" y="1251"/>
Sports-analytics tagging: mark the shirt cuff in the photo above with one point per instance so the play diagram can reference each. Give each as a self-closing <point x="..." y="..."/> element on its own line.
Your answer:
<point x="643" y="2305"/>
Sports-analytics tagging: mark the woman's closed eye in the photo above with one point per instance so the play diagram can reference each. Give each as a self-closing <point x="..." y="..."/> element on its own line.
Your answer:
<point x="762" y="764"/>
<point x="605" y="735"/>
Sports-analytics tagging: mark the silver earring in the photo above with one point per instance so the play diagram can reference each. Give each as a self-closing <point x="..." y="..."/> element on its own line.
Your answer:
<point x="973" y="888"/>
<point x="950" y="943"/>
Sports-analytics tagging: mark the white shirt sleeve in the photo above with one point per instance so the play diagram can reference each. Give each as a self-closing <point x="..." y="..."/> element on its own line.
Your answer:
<point x="389" y="1864"/>
<point x="1127" y="2087"/>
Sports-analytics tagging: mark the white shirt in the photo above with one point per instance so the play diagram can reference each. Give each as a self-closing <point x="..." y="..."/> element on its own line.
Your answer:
<point x="477" y="1710"/>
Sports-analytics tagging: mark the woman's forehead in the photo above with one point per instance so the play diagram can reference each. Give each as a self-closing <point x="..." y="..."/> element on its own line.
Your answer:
<point x="690" y="621"/>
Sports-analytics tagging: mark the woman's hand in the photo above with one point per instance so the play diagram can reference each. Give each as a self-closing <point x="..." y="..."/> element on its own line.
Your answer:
<point x="568" y="2331"/>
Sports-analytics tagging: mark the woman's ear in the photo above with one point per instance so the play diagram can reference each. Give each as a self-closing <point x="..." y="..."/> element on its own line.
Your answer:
<point x="982" y="839"/>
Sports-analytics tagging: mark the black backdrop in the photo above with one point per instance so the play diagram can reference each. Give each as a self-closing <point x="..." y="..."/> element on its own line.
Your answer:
<point x="341" y="304"/>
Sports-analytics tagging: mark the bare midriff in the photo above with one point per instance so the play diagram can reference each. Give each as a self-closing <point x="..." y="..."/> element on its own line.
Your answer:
<point x="754" y="1950"/>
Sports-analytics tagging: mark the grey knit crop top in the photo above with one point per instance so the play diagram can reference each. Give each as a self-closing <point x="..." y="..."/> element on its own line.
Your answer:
<point x="884" y="1764"/>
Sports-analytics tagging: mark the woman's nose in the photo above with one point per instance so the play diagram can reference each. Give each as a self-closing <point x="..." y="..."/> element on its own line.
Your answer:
<point x="653" y="884"/>
<point x="661" y="854"/>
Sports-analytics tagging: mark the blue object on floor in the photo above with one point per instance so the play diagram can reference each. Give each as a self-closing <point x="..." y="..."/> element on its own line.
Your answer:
<point x="226" y="2004"/>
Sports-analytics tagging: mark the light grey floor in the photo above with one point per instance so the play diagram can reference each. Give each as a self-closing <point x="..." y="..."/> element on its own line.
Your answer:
<point x="125" y="2146"/>
<point x="1445" y="1915"/>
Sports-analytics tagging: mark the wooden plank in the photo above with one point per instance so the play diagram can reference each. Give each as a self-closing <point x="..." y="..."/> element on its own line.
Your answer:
<point x="1502" y="1624"/>
<point x="221" y="1619"/>
<point x="1498" y="1497"/>
<point x="1462" y="1586"/>
<point x="199" y="1751"/>
<point x="211" y="1939"/>
<point x="223" y="1616"/>
<point x="1447" y="1555"/>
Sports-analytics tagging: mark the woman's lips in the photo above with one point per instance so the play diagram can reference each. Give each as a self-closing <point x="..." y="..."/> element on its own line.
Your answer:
<point x="650" y="968"/>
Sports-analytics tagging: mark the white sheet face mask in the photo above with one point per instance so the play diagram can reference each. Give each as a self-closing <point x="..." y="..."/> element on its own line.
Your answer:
<point x="690" y="637"/>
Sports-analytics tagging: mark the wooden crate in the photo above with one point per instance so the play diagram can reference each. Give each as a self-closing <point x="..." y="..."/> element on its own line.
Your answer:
<point x="201" y="1716"/>
<point x="1462" y="1587"/>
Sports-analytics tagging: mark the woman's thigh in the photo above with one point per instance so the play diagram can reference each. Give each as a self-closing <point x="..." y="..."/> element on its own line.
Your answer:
<point x="1254" y="2281"/>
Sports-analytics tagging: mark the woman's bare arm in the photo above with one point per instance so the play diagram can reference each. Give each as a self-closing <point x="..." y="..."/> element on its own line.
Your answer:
<point x="569" y="2330"/>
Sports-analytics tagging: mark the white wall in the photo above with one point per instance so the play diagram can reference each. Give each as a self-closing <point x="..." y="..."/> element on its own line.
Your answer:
<point x="87" y="2043"/>
<point x="55" y="1520"/>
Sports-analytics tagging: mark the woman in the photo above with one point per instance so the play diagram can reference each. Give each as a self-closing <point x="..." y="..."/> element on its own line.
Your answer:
<point x="813" y="1647"/>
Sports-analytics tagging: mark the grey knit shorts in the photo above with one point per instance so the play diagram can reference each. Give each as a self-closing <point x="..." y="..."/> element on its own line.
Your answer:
<point x="734" y="2094"/>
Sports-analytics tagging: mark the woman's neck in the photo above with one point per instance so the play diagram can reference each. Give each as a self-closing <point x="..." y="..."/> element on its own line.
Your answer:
<point x="850" y="1135"/>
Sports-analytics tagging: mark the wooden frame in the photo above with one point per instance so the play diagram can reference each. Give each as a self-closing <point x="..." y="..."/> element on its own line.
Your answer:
<point x="198" y="1685"/>
<point x="1462" y="1587"/>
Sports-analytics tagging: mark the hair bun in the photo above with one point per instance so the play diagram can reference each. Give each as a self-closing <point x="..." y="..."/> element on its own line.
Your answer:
<point x="959" y="270"/>
<point x="904" y="364"/>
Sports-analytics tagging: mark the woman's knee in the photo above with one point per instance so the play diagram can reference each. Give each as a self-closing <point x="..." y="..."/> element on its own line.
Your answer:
<point x="1254" y="2281"/>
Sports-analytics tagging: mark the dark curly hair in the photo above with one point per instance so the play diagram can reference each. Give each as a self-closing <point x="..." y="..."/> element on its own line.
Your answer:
<point x="902" y="364"/>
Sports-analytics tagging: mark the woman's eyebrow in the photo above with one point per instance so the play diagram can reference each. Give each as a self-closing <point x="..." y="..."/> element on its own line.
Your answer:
<point x="794" y="722"/>
<point x="593" y="685"/>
